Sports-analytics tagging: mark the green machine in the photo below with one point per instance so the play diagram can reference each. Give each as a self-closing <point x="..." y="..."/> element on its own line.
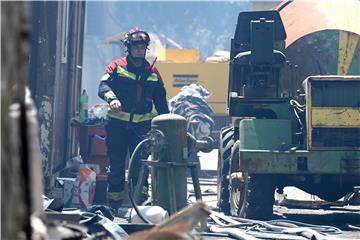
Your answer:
<point x="309" y="139"/>
<point x="170" y="145"/>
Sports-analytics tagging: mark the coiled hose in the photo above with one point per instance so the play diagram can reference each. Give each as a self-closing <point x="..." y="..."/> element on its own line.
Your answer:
<point x="130" y="185"/>
<point x="260" y="229"/>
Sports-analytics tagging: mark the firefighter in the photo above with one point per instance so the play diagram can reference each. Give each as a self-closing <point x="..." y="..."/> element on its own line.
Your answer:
<point x="130" y="86"/>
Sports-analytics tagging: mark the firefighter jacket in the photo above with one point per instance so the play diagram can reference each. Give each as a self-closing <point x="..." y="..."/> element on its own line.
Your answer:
<point x="137" y="88"/>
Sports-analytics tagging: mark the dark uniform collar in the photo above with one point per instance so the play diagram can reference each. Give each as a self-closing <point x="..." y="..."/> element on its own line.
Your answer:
<point x="131" y="66"/>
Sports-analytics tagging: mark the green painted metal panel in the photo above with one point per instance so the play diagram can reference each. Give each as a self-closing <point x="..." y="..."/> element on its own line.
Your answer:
<point x="315" y="54"/>
<point x="327" y="51"/>
<point x="318" y="54"/>
<point x="323" y="93"/>
<point x="300" y="162"/>
<point x="266" y="134"/>
<point x="248" y="107"/>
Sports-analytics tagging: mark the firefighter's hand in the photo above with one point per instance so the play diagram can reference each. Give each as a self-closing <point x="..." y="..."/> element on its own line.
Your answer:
<point x="115" y="105"/>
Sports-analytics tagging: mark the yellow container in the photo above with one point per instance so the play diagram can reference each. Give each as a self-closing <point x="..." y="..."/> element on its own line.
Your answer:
<point x="212" y="76"/>
<point x="179" y="55"/>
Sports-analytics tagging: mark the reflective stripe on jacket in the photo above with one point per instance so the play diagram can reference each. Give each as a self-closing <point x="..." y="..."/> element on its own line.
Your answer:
<point x="116" y="196"/>
<point x="136" y="91"/>
<point x="136" y="118"/>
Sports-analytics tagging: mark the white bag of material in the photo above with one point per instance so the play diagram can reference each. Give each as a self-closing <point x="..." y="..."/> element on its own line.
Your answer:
<point x="154" y="214"/>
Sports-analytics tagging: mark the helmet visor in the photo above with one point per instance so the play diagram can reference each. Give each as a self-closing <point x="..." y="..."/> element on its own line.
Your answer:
<point x="139" y="38"/>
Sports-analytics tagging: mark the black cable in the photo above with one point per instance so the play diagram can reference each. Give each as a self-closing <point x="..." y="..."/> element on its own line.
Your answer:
<point x="211" y="234"/>
<point x="298" y="107"/>
<point x="130" y="185"/>
<point x="284" y="5"/>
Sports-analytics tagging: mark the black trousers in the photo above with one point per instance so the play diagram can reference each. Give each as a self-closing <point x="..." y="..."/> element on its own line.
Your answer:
<point x="122" y="137"/>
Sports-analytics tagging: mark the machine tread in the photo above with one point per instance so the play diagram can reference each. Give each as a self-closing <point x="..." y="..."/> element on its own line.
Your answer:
<point x="226" y="142"/>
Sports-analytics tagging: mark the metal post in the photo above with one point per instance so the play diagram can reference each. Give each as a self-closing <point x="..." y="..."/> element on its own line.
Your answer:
<point x="195" y="179"/>
<point x="140" y="184"/>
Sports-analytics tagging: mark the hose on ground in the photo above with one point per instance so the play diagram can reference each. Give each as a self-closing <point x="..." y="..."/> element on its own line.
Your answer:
<point x="274" y="229"/>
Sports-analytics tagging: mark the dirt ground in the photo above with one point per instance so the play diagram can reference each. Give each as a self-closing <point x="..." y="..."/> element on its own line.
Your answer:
<point x="298" y="205"/>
